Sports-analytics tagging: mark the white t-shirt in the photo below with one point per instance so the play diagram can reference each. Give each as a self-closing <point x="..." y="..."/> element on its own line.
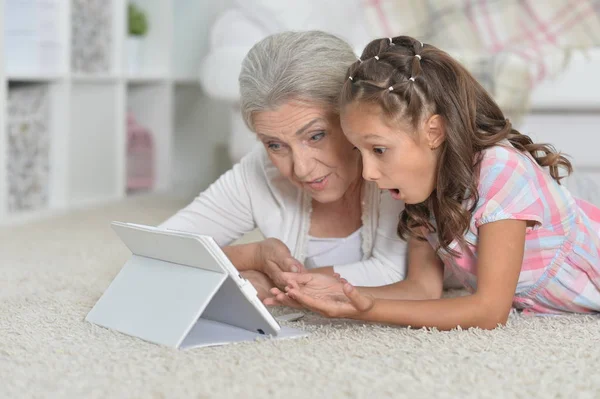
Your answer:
<point x="333" y="251"/>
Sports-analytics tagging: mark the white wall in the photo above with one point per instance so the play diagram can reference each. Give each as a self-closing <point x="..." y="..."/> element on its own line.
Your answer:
<point x="200" y="143"/>
<point x="566" y="113"/>
<point x="575" y="88"/>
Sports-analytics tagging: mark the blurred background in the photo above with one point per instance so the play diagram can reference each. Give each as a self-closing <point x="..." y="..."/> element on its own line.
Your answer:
<point x="105" y="99"/>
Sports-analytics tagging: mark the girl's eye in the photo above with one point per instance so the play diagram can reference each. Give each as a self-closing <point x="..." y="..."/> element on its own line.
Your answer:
<point x="317" y="137"/>
<point x="379" y="150"/>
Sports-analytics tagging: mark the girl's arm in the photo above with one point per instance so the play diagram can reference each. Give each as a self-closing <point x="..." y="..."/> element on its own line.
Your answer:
<point x="424" y="280"/>
<point x="500" y="255"/>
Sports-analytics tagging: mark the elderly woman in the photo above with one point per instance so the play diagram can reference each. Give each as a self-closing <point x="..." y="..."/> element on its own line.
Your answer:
<point x="302" y="185"/>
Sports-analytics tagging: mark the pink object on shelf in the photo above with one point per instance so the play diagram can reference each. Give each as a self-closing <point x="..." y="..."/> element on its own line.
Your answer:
<point x="140" y="156"/>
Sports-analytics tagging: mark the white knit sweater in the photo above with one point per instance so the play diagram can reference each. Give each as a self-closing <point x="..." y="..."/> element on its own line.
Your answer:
<point x="254" y="194"/>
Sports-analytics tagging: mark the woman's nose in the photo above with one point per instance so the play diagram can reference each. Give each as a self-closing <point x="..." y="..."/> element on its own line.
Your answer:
<point x="302" y="166"/>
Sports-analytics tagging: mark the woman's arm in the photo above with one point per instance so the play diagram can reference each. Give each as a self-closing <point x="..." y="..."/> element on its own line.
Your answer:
<point x="500" y="255"/>
<point x="270" y="256"/>
<point x="224" y="210"/>
<point x="244" y="256"/>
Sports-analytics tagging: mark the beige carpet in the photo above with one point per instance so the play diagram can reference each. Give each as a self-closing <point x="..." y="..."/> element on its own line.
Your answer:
<point x="52" y="272"/>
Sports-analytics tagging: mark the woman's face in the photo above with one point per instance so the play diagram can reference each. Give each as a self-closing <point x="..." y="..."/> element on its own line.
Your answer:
<point x="398" y="160"/>
<point x="305" y="142"/>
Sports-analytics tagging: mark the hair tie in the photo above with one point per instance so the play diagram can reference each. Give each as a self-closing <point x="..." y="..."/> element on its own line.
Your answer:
<point x="418" y="56"/>
<point x="411" y="79"/>
<point x="391" y="42"/>
<point x="376" y="57"/>
<point x="391" y="88"/>
<point x="422" y="45"/>
<point x="350" y="77"/>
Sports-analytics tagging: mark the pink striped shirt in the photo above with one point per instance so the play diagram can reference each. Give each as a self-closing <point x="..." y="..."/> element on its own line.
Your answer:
<point x="561" y="264"/>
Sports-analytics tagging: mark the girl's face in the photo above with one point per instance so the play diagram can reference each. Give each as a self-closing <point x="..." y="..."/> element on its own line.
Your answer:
<point x="306" y="143"/>
<point x="399" y="160"/>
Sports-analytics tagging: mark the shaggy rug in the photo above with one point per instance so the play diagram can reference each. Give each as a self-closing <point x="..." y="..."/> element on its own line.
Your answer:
<point x="53" y="271"/>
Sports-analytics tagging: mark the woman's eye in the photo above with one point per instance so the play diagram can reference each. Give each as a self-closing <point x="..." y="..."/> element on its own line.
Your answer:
<point x="274" y="146"/>
<point x="379" y="150"/>
<point x="317" y="137"/>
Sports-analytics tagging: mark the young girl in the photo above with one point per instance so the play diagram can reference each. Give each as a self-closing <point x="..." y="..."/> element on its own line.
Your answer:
<point x="482" y="200"/>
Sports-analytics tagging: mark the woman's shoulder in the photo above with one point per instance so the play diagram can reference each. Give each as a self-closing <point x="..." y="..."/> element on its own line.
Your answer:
<point x="255" y="159"/>
<point x="257" y="165"/>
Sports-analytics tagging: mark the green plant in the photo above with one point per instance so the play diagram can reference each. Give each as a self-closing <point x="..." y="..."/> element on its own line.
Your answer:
<point x="138" y="23"/>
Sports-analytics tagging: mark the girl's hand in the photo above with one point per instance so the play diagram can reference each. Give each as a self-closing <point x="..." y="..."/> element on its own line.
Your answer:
<point x="314" y="284"/>
<point x="352" y="305"/>
<point x="330" y="296"/>
<point x="274" y="258"/>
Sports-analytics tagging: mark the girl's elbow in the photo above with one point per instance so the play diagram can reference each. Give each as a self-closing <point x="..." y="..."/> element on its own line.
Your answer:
<point x="490" y="324"/>
<point x="435" y="292"/>
<point x="492" y="318"/>
<point x="432" y="291"/>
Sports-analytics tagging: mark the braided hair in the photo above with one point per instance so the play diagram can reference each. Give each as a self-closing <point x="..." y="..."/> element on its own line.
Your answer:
<point x="411" y="81"/>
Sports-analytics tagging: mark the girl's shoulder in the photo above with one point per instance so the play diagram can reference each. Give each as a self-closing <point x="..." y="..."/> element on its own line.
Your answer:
<point x="512" y="185"/>
<point x="504" y="164"/>
<point x="506" y="155"/>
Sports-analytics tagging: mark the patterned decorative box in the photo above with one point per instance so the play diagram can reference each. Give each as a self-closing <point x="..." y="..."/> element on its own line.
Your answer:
<point x="92" y="39"/>
<point x="32" y="36"/>
<point x="28" y="137"/>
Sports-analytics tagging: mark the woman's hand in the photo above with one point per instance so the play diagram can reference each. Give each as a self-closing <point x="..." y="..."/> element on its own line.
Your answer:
<point x="261" y="283"/>
<point x="274" y="258"/>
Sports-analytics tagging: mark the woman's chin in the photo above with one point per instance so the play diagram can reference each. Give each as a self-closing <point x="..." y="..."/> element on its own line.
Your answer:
<point x="325" y="197"/>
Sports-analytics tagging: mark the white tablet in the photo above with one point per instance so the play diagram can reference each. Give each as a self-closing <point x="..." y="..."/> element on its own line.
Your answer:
<point x="180" y="287"/>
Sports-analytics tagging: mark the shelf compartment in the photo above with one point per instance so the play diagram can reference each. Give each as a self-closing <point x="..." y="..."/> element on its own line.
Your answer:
<point x="95" y="143"/>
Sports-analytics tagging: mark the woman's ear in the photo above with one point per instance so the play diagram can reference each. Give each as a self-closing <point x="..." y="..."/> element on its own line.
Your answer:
<point x="435" y="131"/>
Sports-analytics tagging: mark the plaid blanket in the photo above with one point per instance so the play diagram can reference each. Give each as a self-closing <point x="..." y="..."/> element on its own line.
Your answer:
<point x="509" y="45"/>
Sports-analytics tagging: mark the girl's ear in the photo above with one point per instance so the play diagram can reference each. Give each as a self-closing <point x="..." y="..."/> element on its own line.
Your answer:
<point x="435" y="131"/>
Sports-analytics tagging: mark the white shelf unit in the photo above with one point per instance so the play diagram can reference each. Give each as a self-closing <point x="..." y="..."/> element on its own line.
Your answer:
<point x="3" y="138"/>
<point x="89" y="91"/>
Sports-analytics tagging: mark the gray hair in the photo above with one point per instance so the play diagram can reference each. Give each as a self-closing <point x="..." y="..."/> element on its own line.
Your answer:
<point x="309" y="66"/>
